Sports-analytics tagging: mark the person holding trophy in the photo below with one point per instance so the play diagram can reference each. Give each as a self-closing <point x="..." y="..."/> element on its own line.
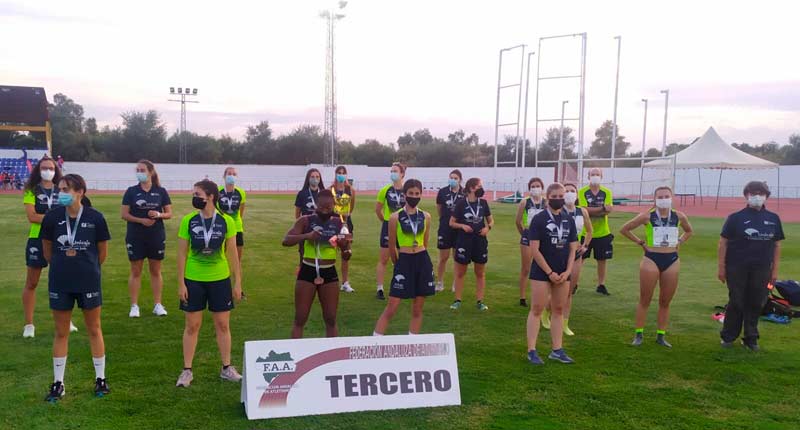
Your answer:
<point x="344" y="202"/>
<point x="660" y="264"/>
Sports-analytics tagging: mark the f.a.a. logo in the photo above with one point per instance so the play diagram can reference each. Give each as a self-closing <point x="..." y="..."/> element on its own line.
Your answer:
<point x="275" y="364"/>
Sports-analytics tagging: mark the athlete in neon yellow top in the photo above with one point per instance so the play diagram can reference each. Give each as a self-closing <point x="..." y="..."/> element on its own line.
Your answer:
<point x="390" y="199"/>
<point x="409" y="230"/>
<point x="599" y="202"/>
<point x="231" y="202"/>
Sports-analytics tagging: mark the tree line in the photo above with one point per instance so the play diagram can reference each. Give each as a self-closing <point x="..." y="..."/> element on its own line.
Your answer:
<point x="143" y="134"/>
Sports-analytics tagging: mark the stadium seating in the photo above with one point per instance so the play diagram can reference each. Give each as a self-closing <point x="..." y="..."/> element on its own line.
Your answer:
<point x="16" y="166"/>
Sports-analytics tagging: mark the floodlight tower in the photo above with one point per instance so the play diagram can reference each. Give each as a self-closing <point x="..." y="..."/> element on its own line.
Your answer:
<point x="183" y="92"/>
<point x="331" y="16"/>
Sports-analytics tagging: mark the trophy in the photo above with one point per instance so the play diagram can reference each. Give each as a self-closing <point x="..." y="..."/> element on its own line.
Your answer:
<point x="341" y="206"/>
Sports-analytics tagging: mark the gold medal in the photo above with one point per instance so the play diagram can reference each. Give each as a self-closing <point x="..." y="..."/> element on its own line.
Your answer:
<point x="318" y="281"/>
<point x="207" y="251"/>
<point x="71" y="252"/>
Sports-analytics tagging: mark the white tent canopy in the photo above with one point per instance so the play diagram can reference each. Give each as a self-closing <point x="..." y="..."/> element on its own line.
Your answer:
<point x="711" y="152"/>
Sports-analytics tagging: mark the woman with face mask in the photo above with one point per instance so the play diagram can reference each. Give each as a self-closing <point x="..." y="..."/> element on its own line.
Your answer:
<point x="409" y="230"/>
<point x="446" y="200"/>
<point x="749" y="254"/>
<point x="584" y="228"/>
<point x="306" y="201"/>
<point x="344" y="203"/>
<point x="75" y="243"/>
<point x="232" y="200"/>
<point x="319" y="234"/>
<point x="40" y="197"/>
<point x="473" y="220"/>
<point x="660" y="264"/>
<point x="554" y="242"/>
<point x="206" y="260"/>
<point x="528" y="208"/>
<point x="390" y="200"/>
<point x="145" y="206"/>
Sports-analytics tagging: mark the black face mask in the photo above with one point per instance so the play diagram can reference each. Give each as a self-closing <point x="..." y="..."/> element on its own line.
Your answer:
<point x="198" y="202"/>
<point x="324" y="216"/>
<point x="413" y="201"/>
<point x="479" y="193"/>
<point x="556" y="203"/>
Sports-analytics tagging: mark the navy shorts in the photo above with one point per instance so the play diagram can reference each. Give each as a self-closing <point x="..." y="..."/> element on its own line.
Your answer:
<point x="471" y="248"/>
<point x="239" y="239"/>
<point x="537" y="274"/>
<point x="65" y="301"/>
<point x="308" y="273"/>
<point x="523" y="240"/>
<point x="217" y="294"/>
<point x="662" y="260"/>
<point x="150" y="244"/>
<point x="446" y="237"/>
<point x="602" y="247"/>
<point x="412" y="276"/>
<point x="34" y="256"/>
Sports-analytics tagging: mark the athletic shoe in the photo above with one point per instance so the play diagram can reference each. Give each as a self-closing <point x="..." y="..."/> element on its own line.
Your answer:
<point x="719" y="317"/>
<point x="560" y="356"/>
<point x="566" y="330"/>
<point x="134" y="313"/>
<point x="347" y="288"/>
<point x="662" y="341"/>
<point x="752" y="346"/>
<point x="456" y="305"/>
<point x="601" y="289"/>
<point x="101" y="387"/>
<point x="159" y="310"/>
<point x="637" y="339"/>
<point x="72" y="327"/>
<point x="453" y="287"/>
<point x="230" y="374"/>
<point x="533" y="357"/>
<point x="726" y="345"/>
<point x="379" y="295"/>
<point x="29" y="330"/>
<point x="56" y="392"/>
<point x="482" y="306"/>
<point x="523" y="302"/>
<point x="439" y="286"/>
<point x="185" y="379"/>
<point x="546" y="319"/>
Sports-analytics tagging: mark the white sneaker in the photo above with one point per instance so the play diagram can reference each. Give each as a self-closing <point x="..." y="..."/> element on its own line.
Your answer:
<point x="28" y="331"/>
<point x="159" y="310"/>
<point x="72" y="327"/>
<point x="439" y="286"/>
<point x="347" y="288"/>
<point x="134" y="313"/>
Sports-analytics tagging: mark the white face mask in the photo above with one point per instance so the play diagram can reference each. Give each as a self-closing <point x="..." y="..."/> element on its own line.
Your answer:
<point x="756" y="201"/>
<point x="570" y="198"/>
<point x="664" y="203"/>
<point x="536" y="191"/>
<point x="595" y="180"/>
<point x="48" y="175"/>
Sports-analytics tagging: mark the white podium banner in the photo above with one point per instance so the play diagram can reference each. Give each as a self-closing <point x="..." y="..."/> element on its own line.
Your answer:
<point x="284" y="378"/>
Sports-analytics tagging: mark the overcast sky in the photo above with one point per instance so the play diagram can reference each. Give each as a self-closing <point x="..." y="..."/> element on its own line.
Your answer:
<point x="415" y="64"/>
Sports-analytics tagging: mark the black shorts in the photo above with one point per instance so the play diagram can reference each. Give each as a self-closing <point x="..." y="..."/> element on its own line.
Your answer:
<point x="63" y="301"/>
<point x="239" y="239"/>
<point x="602" y="247"/>
<point x="149" y="244"/>
<point x="308" y="273"/>
<point x="34" y="256"/>
<point x="523" y="240"/>
<point x="446" y="237"/>
<point x="662" y="260"/>
<point x="384" y="240"/>
<point x="537" y="274"/>
<point x="217" y="294"/>
<point x="471" y="248"/>
<point x="412" y="276"/>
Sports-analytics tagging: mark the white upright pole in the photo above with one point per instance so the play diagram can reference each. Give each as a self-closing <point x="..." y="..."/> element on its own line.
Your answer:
<point x="616" y="96"/>
<point x="644" y="138"/>
<point x="666" y="109"/>
<point x="560" y="172"/>
<point x="525" y="115"/>
<point x="497" y="125"/>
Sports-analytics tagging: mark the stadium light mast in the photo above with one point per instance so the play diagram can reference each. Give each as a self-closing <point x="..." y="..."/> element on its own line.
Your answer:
<point x="183" y="93"/>
<point x="616" y="96"/>
<point x="330" y="128"/>
<point x="561" y="142"/>
<point x="644" y="137"/>
<point x="666" y="109"/>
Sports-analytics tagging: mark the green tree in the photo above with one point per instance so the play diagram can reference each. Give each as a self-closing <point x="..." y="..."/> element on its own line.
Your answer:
<point x="601" y="145"/>
<point x="259" y="147"/>
<point x="373" y="153"/>
<point x="66" y="120"/>
<point x="792" y="151"/>
<point x="549" y="147"/>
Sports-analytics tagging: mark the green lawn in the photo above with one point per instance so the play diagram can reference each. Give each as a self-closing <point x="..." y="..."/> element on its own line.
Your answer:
<point x="612" y="386"/>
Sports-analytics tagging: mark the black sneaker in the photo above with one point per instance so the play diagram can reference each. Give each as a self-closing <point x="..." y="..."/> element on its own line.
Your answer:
<point x="601" y="289"/>
<point x="101" y="387"/>
<point x="752" y="346"/>
<point x="661" y="340"/>
<point x="56" y="392"/>
<point x="379" y="295"/>
<point x="523" y="302"/>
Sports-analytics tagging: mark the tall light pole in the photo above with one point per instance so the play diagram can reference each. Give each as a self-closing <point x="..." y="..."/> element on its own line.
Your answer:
<point x="331" y="16"/>
<point x="183" y="157"/>
<point x="525" y="117"/>
<point x="644" y="138"/>
<point x="560" y="172"/>
<point x="616" y="96"/>
<point x="666" y="109"/>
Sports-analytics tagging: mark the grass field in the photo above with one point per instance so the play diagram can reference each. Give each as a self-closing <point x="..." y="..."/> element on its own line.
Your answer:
<point x="612" y="386"/>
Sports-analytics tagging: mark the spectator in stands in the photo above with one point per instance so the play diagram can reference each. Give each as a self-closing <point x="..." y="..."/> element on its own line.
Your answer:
<point x="60" y="162"/>
<point x="6" y="179"/>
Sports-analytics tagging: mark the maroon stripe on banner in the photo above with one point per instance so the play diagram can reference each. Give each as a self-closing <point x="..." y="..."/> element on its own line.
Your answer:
<point x="283" y="383"/>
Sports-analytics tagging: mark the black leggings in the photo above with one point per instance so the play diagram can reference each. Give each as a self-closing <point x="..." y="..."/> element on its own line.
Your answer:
<point x="747" y="294"/>
<point x="304" y="293"/>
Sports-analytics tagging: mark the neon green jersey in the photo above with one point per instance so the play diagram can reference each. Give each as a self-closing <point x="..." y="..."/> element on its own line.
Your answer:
<point x="211" y="265"/>
<point x="405" y="228"/>
<point x="587" y="199"/>
<point x="43" y="201"/>
<point x="392" y="199"/>
<point x="231" y="204"/>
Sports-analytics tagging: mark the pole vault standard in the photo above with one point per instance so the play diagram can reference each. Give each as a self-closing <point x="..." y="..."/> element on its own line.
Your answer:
<point x="498" y="125"/>
<point x="581" y="75"/>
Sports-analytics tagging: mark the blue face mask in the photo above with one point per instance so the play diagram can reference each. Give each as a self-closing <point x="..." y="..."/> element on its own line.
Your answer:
<point x="453" y="183"/>
<point x="230" y="179"/>
<point x="65" y="199"/>
<point x="341" y="178"/>
<point x="141" y="176"/>
<point x="394" y="176"/>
